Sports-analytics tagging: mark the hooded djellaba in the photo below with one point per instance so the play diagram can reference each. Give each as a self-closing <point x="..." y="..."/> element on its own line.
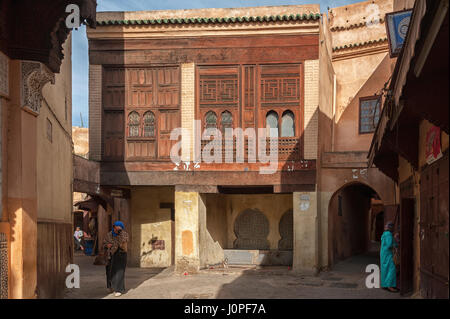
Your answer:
<point x="115" y="246"/>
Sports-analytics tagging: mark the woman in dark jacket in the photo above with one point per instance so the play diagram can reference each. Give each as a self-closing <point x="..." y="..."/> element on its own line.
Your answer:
<point x="115" y="245"/>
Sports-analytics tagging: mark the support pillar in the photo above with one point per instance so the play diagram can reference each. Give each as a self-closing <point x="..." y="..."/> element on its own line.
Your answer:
<point x="305" y="254"/>
<point x="187" y="252"/>
<point x="103" y="227"/>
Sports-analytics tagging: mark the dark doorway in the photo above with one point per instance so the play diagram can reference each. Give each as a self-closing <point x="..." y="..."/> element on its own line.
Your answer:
<point x="350" y="223"/>
<point x="379" y="226"/>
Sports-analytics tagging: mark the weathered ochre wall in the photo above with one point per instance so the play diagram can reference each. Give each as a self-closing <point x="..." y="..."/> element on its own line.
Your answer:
<point x="149" y="221"/>
<point x="327" y="89"/>
<point x="211" y="252"/>
<point x="54" y="182"/>
<point x="54" y="158"/>
<point x="360" y="70"/>
<point x="273" y="206"/>
<point x="80" y="137"/>
<point x="216" y="219"/>
<point x="367" y="12"/>
<point x="223" y="209"/>
<point x="347" y="136"/>
<point x="306" y="251"/>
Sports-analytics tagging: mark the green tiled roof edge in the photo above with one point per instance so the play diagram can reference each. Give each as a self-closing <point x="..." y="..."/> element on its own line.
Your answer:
<point x="354" y="25"/>
<point x="360" y="44"/>
<point x="292" y="17"/>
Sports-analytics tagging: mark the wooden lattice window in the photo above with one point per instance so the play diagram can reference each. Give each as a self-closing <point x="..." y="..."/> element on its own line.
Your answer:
<point x="272" y="122"/>
<point x="149" y="124"/>
<point x="133" y="124"/>
<point x="210" y="120"/>
<point x="369" y="114"/>
<point x="287" y="124"/>
<point x="226" y="121"/>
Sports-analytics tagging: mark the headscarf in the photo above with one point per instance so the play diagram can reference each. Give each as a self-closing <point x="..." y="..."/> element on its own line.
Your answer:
<point x="117" y="223"/>
<point x="389" y="226"/>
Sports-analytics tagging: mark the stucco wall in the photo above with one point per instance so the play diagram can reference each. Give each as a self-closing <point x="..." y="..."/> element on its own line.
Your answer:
<point x="217" y="208"/>
<point x="222" y="211"/>
<point x="361" y="70"/>
<point x="54" y="158"/>
<point x="367" y="12"/>
<point x="327" y="90"/>
<point x="54" y="181"/>
<point x="149" y="221"/>
<point x="273" y="206"/>
<point x="80" y="137"/>
<point x="357" y="78"/>
<point x="211" y="252"/>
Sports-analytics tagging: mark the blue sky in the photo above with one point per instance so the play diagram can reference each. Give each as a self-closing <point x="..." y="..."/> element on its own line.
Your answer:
<point x="80" y="61"/>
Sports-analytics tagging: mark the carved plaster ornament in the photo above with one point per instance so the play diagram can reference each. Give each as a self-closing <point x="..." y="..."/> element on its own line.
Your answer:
<point x="34" y="76"/>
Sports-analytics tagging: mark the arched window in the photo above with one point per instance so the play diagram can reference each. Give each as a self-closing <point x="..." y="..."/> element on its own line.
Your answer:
<point x="149" y="124"/>
<point x="287" y="124"/>
<point x="133" y="124"/>
<point x="210" y="120"/>
<point x="226" y="121"/>
<point x="272" y="122"/>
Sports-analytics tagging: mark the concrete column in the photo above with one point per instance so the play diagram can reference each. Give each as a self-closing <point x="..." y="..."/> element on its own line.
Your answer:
<point x="187" y="252"/>
<point x="305" y="255"/>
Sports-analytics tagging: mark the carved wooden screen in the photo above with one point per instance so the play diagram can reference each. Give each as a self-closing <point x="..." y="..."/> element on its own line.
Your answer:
<point x="154" y="94"/>
<point x="218" y="91"/>
<point x="281" y="91"/>
<point x="251" y="93"/>
<point x="113" y="115"/>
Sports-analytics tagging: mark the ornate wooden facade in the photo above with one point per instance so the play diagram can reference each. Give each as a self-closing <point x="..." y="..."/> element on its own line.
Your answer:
<point x="240" y="82"/>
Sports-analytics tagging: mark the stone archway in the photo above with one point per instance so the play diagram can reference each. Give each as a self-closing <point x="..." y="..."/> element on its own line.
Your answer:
<point x="251" y="228"/>
<point x="350" y="221"/>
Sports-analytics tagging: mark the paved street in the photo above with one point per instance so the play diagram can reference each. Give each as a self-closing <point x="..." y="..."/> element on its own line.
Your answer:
<point x="346" y="280"/>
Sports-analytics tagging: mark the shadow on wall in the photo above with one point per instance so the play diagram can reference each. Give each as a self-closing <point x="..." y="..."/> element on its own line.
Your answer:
<point x="152" y="215"/>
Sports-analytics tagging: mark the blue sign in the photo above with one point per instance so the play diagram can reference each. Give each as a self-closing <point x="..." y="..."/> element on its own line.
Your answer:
<point x="397" y="24"/>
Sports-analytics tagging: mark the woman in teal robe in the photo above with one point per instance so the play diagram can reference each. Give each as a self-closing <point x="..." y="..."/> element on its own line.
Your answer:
<point x="388" y="270"/>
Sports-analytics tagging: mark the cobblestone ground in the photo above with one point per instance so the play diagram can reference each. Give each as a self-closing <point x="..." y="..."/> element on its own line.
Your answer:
<point x="346" y="280"/>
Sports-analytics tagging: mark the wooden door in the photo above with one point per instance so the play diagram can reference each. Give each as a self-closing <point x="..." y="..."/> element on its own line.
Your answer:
<point x="434" y="230"/>
<point x="406" y="245"/>
<point x="113" y="144"/>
